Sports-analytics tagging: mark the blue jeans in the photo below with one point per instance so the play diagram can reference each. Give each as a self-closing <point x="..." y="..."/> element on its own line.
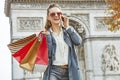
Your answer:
<point x="58" y="73"/>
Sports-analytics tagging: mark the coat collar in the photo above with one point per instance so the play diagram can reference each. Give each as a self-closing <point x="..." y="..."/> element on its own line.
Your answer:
<point x="65" y="36"/>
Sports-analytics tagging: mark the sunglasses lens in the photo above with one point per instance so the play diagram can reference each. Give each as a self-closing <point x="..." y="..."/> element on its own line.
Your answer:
<point x="59" y="13"/>
<point x="53" y="14"/>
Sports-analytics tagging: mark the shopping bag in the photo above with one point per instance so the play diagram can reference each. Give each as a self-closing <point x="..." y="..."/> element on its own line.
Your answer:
<point x="31" y="53"/>
<point x="20" y="47"/>
<point x="42" y="55"/>
<point x="22" y="52"/>
<point x="41" y="62"/>
<point x="29" y="60"/>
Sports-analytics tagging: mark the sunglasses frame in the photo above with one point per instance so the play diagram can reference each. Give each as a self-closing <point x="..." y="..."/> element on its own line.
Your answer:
<point x="54" y="13"/>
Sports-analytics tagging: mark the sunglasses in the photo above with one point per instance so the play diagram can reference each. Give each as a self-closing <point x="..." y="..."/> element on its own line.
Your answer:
<point x="55" y="13"/>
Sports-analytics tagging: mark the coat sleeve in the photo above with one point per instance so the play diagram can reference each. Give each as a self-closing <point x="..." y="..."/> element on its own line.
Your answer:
<point x="75" y="37"/>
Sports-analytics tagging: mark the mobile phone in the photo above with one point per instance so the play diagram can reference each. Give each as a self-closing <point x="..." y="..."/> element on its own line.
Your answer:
<point x="62" y="18"/>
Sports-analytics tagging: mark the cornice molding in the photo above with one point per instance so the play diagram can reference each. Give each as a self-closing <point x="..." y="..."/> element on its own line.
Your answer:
<point x="52" y="0"/>
<point x="65" y="6"/>
<point x="8" y="2"/>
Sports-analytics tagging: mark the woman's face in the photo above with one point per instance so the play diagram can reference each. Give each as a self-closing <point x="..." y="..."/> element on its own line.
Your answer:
<point x="55" y="15"/>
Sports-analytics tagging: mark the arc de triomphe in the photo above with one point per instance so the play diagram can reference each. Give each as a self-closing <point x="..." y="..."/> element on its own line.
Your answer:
<point x="99" y="53"/>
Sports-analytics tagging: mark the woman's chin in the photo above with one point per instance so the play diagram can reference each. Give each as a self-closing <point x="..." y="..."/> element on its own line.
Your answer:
<point x="57" y="23"/>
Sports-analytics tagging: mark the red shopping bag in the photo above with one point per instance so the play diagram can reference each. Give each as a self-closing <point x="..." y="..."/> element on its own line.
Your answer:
<point x="23" y="51"/>
<point x="20" y="47"/>
<point x="42" y="57"/>
<point x="41" y="62"/>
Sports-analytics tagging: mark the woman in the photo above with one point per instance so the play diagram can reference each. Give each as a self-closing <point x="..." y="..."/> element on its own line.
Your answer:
<point x="61" y="38"/>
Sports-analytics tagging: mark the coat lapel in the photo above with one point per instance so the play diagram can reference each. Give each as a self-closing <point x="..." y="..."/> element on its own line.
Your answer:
<point x="67" y="38"/>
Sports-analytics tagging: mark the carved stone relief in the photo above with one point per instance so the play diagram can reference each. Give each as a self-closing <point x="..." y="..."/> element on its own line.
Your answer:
<point x="83" y="18"/>
<point x="79" y="28"/>
<point x="100" y="25"/>
<point x="110" y="59"/>
<point x="80" y="23"/>
<point x="25" y="24"/>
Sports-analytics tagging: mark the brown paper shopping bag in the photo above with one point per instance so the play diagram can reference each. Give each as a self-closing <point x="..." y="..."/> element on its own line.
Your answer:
<point x="29" y="60"/>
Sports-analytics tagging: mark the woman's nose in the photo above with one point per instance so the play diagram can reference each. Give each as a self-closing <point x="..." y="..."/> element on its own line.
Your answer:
<point x="56" y="14"/>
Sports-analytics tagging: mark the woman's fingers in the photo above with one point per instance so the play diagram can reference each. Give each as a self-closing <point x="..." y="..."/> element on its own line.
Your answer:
<point x="66" y="21"/>
<point x="45" y="32"/>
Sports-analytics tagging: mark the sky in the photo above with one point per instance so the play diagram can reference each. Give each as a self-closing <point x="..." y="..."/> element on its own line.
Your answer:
<point x="5" y="55"/>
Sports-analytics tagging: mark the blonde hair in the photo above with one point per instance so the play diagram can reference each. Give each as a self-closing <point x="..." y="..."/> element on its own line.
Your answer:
<point x="48" y="23"/>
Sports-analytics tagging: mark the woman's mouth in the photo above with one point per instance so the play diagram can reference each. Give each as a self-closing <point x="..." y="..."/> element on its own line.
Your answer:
<point x="56" y="19"/>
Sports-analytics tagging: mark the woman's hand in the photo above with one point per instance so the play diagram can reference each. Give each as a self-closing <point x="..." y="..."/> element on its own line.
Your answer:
<point x="65" y="21"/>
<point x="45" y="32"/>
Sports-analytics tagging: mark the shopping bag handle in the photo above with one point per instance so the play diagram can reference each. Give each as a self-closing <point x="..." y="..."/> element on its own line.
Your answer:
<point x="40" y="36"/>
